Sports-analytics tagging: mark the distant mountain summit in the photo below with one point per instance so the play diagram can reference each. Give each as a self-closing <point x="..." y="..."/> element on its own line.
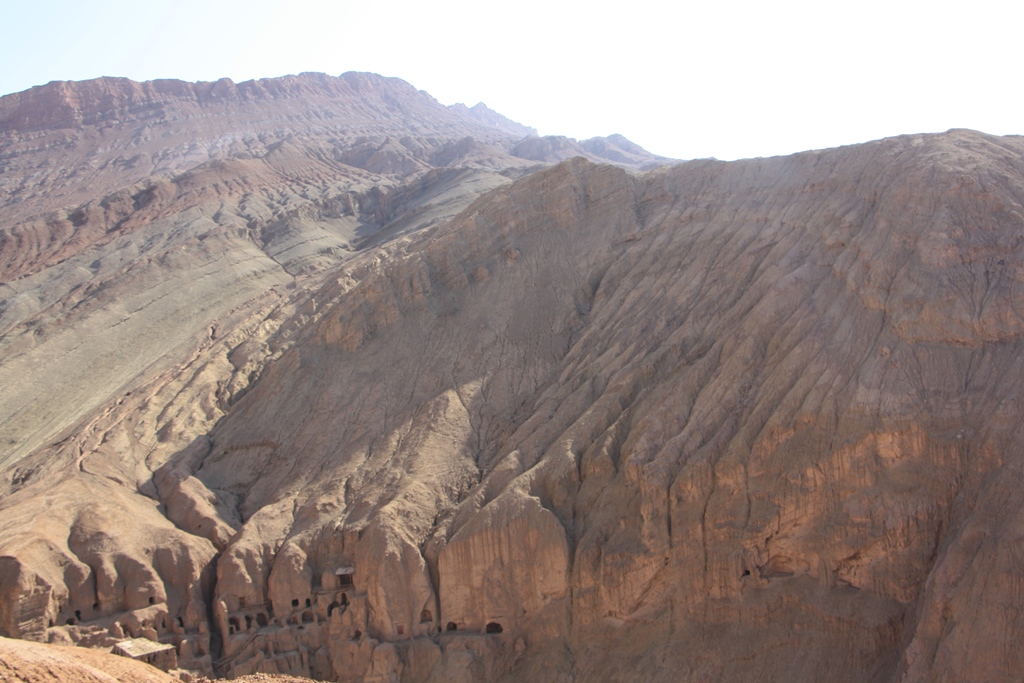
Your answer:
<point x="362" y="101"/>
<point x="614" y="149"/>
<point x="167" y="126"/>
<point x="617" y="149"/>
<point x="482" y="113"/>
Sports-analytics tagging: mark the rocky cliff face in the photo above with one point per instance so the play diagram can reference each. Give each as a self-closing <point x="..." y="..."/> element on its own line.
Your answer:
<point x="717" y="421"/>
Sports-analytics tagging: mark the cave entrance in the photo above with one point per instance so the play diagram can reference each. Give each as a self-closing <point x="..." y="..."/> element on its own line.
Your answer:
<point x="344" y="576"/>
<point x="493" y="627"/>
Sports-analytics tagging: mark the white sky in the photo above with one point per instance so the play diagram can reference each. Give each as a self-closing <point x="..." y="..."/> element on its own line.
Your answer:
<point x="727" y="79"/>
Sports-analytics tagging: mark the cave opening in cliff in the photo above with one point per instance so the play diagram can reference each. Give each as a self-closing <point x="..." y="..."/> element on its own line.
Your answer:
<point x="331" y="607"/>
<point x="308" y="603"/>
<point x="295" y="602"/>
<point x="248" y="622"/>
<point x="344" y="576"/>
<point x="261" y="619"/>
<point x="344" y="599"/>
<point x="233" y="626"/>
<point x="181" y="622"/>
<point x="451" y="626"/>
<point x="307" y="617"/>
<point x="426" y="617"/>
<point x="493" y="627"/>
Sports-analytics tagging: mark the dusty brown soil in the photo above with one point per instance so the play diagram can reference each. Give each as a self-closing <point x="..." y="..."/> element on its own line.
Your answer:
<point x="26" y="662"/>
<point x="271" y="678"/>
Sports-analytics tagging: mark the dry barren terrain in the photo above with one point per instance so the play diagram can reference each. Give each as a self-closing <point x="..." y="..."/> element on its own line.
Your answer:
<point x="318" y="377"/>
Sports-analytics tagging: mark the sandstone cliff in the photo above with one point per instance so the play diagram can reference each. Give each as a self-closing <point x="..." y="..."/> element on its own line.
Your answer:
<point x="718" y="421"/>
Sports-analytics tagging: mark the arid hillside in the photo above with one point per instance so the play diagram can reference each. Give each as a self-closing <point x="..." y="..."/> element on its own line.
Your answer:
<point x="137" y="217"/>
<point x="417" y="403"/>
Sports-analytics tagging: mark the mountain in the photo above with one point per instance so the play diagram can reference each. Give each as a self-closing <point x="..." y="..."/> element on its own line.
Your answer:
<point x="429" y="406"/>
<point x="147" y="211"/>
<point x="482" y="113"/>
<point x="617" y="149"/>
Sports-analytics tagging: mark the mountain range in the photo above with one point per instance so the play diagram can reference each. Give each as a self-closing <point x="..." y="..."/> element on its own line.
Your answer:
<point x="318" y="376"/>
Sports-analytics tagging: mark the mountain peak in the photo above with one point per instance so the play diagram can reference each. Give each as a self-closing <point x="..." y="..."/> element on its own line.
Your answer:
<point x="481" y="113"/>
<point x="368" y="97"/>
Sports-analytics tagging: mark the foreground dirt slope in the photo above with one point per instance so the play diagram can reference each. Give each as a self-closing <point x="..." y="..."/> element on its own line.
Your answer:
<point x="23" y="661"/>
<point x="751" y="421"/>
<point x="26" y="662"/>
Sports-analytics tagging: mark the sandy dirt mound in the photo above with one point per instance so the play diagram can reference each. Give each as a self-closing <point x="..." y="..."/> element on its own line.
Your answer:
<point x="26" y="662"/>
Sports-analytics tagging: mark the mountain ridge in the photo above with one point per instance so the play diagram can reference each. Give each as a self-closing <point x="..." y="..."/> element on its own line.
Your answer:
<point x="104" y="130"/>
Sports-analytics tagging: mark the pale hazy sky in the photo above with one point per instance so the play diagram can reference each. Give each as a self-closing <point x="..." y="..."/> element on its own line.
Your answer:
<point x="683" y="79"/>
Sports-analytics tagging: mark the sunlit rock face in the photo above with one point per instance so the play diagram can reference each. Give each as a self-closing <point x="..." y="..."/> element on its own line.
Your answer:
<point x="415" y="405"/>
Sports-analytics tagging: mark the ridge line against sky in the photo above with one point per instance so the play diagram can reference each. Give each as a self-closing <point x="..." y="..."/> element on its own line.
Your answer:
<point x="733" y="80"/>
